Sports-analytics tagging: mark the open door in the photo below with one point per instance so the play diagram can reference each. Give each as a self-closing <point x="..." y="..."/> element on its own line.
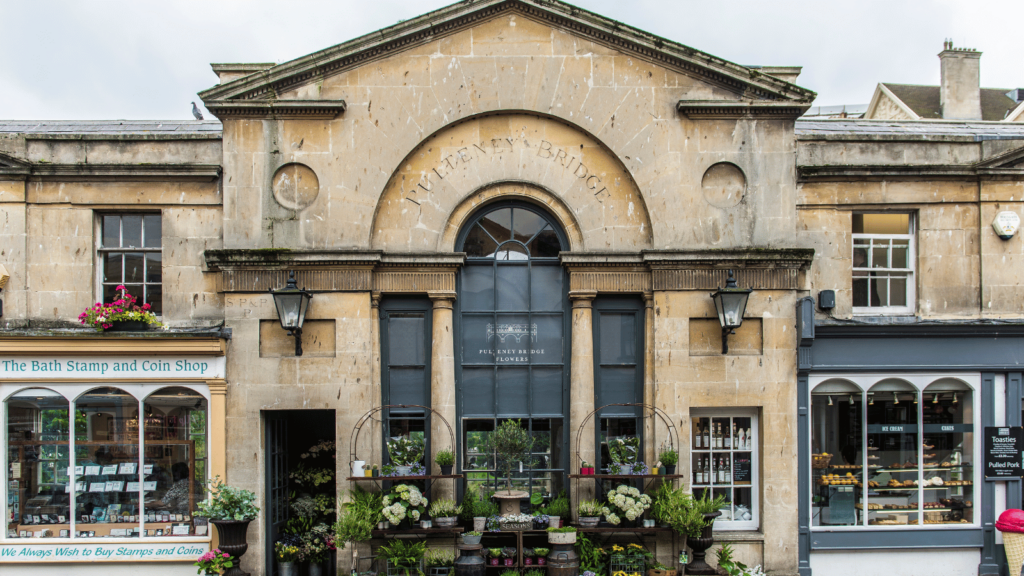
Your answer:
<point x="276" y="482"/>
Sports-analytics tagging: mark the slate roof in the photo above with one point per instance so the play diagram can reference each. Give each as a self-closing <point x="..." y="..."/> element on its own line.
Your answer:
<point x="924" y="101"/>
<point x="148" y="128"/>
<point x="953" y="130"/>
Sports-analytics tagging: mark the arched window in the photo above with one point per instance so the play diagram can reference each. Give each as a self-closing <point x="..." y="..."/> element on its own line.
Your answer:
<point x="513" y="343"/>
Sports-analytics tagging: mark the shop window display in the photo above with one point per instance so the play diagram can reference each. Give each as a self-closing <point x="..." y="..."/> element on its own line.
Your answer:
<point x="101" y="477"/>
<point x="544" y="477"/>
<point x="723" y="449"/>
<point x="898" y="455"/>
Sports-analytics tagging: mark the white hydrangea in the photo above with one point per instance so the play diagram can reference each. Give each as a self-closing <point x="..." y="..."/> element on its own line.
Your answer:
<point x="415" y="515"/>
<point x="387" y="500"/>
<point x="612" y="519"/>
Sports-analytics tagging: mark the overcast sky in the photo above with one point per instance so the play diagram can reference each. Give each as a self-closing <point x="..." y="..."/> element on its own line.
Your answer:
<point x="135" y="59"/>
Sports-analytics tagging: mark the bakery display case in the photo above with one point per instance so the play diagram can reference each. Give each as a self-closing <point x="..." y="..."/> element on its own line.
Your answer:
<point x="917" y="468"/>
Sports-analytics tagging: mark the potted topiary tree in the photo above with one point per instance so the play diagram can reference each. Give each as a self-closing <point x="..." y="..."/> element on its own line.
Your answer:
<point x="512" y="445"/>
<point x="230" y="510"/>
<point x="445" y="460"/>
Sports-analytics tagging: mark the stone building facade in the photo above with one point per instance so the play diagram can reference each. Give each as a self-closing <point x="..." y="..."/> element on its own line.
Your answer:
<point x="499" y="173"/>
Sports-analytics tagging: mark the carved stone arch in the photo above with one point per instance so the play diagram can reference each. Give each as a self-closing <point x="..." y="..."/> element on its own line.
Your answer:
<point x="553" y="163"/>
<point x="524" y="191"/>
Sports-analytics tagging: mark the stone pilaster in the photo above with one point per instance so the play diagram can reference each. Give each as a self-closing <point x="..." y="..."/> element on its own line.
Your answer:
<point x="650" y="420"/>
<point x="581" y="391"/>
<point x="442" y="382"/>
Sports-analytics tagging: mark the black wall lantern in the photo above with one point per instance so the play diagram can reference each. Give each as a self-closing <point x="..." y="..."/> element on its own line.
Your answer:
<point x="731" y="303"/>
<point x="291" y="309"/>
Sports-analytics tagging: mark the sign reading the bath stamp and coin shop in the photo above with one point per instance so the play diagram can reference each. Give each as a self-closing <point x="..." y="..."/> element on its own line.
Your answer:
<point x="1003" y="452"/>
<point x="90" y="552"/>
<point x="64" y="367"/>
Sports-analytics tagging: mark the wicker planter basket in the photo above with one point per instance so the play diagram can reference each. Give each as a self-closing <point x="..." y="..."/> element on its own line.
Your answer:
<point x="820" y="460"/>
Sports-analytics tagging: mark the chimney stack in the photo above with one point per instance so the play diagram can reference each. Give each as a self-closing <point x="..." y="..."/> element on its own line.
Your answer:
<point x="960" y="86"/>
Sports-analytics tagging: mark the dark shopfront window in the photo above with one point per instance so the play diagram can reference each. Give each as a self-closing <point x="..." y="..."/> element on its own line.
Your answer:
<point x="405" y="378"/>
<point x="512" y="316"/>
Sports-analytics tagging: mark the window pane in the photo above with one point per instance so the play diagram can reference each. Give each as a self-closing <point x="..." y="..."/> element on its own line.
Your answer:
<point x="898" y="287"/>
<point x="900" y="249"/>
<point x="948" y="454"/>
<point x="112" y="267"/>
<point x="477" y="391"/>
<point x="546" y="288"/>
<point x="618" y="338"/>
<point x="477" y="457"/>
<point x="406" y="336"/>
<point x="860" y="256"/>
<point x="527" y="224"/>
<point x="547" y="391"/>
<point x="154" y="297"/>
<point x="498" y="224"/>
<point x="154" y="272"/>
<point x="152" y="230"/>
<point x="837" y="459"/>
<point x="860" y="291"/>
<point x="879" y="292"/>
<point x="546" y="245"/>
<point x="38" y="484"/>
<point x="515" y="336"/>
<point x="131" y="230"/>
<point x="107" y="475"/>
<point x="881" y="224"/>
<point x="175" y="432"/>
<point x="512" y="391"/>
<point x="478" y="288"/>
<point x="478" y="243"/>
<point x="892" y="455"/>
<point x="617" y="386"/>
<point x="547" y="347"/>
<point x="513" y="287"/>
<point x="134" y="268"/>
<point x="111" y="231"/>
<point x="407" y="386"/>
<point x="512" y="252"/>
<point x="478" y="339"/>
<point x="879" y="255"/>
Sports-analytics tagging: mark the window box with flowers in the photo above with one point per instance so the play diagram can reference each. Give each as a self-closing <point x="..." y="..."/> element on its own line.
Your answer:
<point x="122" y="314"/>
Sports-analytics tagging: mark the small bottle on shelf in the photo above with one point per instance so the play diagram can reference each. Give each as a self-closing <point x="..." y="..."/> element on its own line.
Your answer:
<point x="718" y="436"/>
<point x="727" y="474"/>
<point x="741" y="440"/>
<point x="707" y="437"/>
<point x="704" y="476"/>
<point x="697" y="435"/>
<point x="728" y="436"/>
<point x="746" y="446"/>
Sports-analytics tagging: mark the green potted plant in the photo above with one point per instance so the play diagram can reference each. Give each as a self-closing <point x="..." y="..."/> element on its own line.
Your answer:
<point x="512" y="446"/>
<point x="403" y="557"/>
<point x="123" y="314"/>
<point x="317" y="544"/>
<point x="590" y="512"/>
<point x="440" y="562"/>
<point x="669" y="458"/>
<point x="404" y="503"/>
<point x="405" y="451"/>
<point x="359" y="516"/>
<point x="542" y="555"/>
<point x="445" y="460"/>
<point x="287" y="555"/>
<point x="445" y="512"/>
<point x="230" y="509"/>
<point x="471" y="538"/>
<point x="630" y="559"/>
<point x="214" y="562"/>
<point x="566" y="535"/>
<point x="695" y="518"/>
<point x="495" y="554"/>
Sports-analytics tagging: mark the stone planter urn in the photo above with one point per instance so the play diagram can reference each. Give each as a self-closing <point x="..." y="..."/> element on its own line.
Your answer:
<point x="700" y="548"/>
<point x="233" y="541"/>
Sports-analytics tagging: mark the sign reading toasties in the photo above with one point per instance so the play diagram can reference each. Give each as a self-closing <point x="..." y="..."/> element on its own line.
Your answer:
<point x="56" y="368"/>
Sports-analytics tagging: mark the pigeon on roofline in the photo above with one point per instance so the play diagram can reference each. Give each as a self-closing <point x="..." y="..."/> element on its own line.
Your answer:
<point x="196" y="112"/>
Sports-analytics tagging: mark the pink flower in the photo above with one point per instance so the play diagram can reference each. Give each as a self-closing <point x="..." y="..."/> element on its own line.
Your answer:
<point x="225" y="555"/>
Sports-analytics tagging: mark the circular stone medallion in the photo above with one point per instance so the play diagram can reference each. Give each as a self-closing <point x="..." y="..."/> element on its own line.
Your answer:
<point x="295" y="186"/>
<point x="723" y="185"/>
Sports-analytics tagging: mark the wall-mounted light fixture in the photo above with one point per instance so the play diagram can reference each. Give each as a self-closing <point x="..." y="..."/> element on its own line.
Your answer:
<point x="731" y="303"/>
<point x="291" y="305"/>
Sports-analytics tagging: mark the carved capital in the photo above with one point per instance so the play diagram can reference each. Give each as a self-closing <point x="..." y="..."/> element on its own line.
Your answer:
<point x="218" y="387"/>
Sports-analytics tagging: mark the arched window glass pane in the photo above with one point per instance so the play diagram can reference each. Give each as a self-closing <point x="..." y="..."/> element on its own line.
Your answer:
<point x="498" y="224"/>
<point x="546" y="245"/>
<point x="527" y="224"/>
<point x="38" y="497"/>
<point x="512" y="251"/>
<point x="478" y="243"/>
<point x="175" y="449"/>
<point x="107" y="475"/>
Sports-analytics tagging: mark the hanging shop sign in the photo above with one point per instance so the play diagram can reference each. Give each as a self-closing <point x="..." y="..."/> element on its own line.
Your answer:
<point x="64" y="367"/>
<point x="1003" y="452"/>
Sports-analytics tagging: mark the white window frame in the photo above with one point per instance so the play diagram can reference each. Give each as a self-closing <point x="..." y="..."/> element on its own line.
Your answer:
<point x="140" y="391"/>
<point x="755" y="465"/>
<point x="920" y="381"/>
<point x="100" y="250"/>
<point x="911" y="270"/>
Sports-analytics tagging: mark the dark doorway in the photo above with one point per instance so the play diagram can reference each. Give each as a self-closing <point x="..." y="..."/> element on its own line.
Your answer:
<point x="300" y="454"/>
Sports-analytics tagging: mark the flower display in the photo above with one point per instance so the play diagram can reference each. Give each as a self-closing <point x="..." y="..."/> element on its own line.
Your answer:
<point x="214" y="562"/>
<point x="629" y="501"/>
<point x="406" y="450"/>
<point x="124" y="308"/>
<point x="403" y="502"/>
<point x="318" y="543"/>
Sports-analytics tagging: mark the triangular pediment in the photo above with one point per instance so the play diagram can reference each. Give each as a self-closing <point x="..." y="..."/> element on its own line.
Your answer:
<point x="746" y="83"/>
<point x="1009" y="160"/>
<point x="9" y="165"/>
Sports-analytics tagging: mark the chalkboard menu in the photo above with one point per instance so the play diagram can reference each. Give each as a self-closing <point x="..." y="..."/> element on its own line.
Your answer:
<point x="1003" y="452"/>
<point x="741" y="468"/>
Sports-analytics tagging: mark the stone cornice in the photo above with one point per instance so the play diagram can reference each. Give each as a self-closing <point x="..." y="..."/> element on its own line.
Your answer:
<point x="280" y="259"/>
<point x="153" y="343"/>
<point x="603" y="259"/>
<point x="123" y="172"/>
<point x="734" y="109"/>
<point x="796" y="258"/>
<point x="277" y="109"/>
<point x="267" y="84"/>
<point x="840" y="173"/>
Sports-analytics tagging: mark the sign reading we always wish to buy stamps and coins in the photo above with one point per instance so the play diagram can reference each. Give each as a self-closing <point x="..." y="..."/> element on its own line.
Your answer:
<point x="1003" y="445"/>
